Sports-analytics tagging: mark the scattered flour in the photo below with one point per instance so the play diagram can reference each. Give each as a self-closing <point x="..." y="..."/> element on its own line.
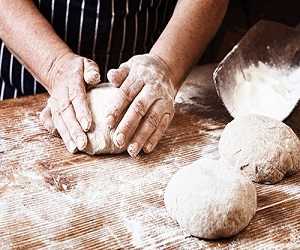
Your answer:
<point x="266" y="90"/>
<point x="151" y="227"/>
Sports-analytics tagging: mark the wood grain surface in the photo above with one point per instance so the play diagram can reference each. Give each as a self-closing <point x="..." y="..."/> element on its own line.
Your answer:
<point x="52" y="199"/>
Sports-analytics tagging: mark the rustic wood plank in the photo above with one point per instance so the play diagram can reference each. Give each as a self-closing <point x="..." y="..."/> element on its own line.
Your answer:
<point x="115" y="202"/>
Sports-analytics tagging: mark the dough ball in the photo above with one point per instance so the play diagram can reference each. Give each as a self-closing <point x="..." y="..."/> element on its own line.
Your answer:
<point x="210" y="201"/>
<point x="264" y="149"/>
<point x="100" y="136"/>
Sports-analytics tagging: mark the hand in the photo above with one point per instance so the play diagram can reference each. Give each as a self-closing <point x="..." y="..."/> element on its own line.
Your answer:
<point x="67" y="110"/>
<point x="147" y="90"/>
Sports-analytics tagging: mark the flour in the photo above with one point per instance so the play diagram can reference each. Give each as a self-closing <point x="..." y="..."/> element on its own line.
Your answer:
<point x="37" y="210"/>
<point x="138" y="225"/>
<point x="266" y="90"/>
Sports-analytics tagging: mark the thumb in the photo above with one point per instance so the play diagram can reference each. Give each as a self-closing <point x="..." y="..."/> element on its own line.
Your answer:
<point x="117" y="76"/>
<point x="46" y="119"/>
<point x="91" y="72"/>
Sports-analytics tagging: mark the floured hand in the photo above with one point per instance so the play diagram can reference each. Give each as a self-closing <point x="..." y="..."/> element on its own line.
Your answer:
<point x="99" y="135"/>
<point x="67" y="110"/>
<point x="147" y="93"/>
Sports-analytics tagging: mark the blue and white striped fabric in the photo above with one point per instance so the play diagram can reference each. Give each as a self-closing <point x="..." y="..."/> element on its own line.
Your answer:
<point x="108" y="31"/>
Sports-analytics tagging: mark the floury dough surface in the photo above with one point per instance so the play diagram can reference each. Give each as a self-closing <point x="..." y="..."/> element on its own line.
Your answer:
<point x="263" y="148"/>
<point x="100" y="136"/>
<point x="266" y="90"/>
<point x="210" y="201"/>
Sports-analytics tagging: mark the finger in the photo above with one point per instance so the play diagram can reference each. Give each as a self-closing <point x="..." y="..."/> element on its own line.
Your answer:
<point x="91" y="72"/>
<point x="128" y="91"/>
<point x="75" y="130"/>
<point x="159" y="132"/>
<point x="46" y="119"/>
<point x="147" y="127"/>
<point x="81" y="107"/>
<point x="64" y="133"/>
<point x="117" y="76"/>
<point x="133" y="116"/>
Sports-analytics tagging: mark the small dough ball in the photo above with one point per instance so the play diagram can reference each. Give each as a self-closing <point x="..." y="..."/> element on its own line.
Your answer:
<point x="210" y="201"/>
<point x="100" y="136"/>
<point x="264" y="149"/>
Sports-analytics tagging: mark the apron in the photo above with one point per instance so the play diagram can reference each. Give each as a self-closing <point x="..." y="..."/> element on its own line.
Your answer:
<point x="107" y="31"/>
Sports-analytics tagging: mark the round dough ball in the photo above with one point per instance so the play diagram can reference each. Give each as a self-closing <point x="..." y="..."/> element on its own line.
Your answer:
<point x="100" y="135"/>
<point x="210" y="201"/>
<point x="264" y="149"/>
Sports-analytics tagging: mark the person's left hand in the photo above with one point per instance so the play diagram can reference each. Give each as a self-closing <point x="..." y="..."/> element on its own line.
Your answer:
<point x="148" y="92"/>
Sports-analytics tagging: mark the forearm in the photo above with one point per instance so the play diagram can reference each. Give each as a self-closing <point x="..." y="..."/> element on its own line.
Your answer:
<point x="30" y="37"/>
<point x="192" y="26"/>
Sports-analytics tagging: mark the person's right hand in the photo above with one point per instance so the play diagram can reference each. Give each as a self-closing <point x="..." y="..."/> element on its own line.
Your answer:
<point x="67" y="110"/>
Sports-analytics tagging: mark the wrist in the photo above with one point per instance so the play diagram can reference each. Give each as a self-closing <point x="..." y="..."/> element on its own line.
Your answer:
<point x="175" y="78"/>
<point x="53" y="66"/>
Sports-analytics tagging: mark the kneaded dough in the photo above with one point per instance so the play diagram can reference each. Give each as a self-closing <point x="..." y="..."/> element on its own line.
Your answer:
<point x="209" y="201"/>
<point x="100" y="136"/>
<point x="263" y="148"/>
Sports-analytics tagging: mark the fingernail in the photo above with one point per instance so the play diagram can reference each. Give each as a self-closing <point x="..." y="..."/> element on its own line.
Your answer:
<point x="133" y="149"/>
<point x="92" y="76"/>
<point x="148" y="147"/>
<point x="72" y="147"/>
<point x="110" y="74"/>
<point x="110" y="121"/>
<point x="85" y="124"/>
<point x="120" y="138"/>
<point x="81" y="141"/>
<point x="96" y="76"/>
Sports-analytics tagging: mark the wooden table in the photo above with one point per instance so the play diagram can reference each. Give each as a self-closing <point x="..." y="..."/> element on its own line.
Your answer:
<point x="55" y="200"/>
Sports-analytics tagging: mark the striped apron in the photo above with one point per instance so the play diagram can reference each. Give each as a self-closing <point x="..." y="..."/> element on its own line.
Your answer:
<point x="108" y="31"/>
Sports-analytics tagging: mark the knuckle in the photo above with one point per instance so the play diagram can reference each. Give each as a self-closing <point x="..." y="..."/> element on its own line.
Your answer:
<point x="153" y="119"/>
<point x="140" y="137"/>
<point x="126" y="126"/>
<point x="127" y="93"/>
<point x="130" y="88"/>
<point x="114" y="113"/>
<point x="151" y="141"/>
<point x="75" y="70"/>
<point x="157" y="88"/>
<point x="139" y="108"/>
